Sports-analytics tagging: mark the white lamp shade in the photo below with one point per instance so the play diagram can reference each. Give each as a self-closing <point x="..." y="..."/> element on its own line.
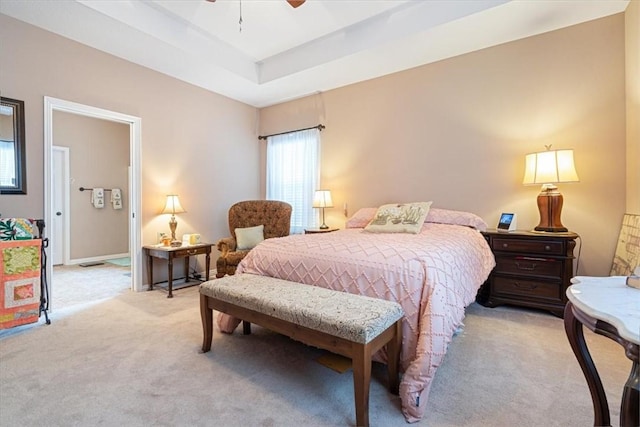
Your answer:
<point x="173" y="205"/>
<point x="322" y="199"/>
<point x="552" y="166"/>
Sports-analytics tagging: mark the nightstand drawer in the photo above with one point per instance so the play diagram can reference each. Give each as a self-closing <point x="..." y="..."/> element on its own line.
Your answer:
<point x="190" y="252"/>
<point x="529" y="266"/>
<point x="528" y="288"/>
<point x="530" y="246"/>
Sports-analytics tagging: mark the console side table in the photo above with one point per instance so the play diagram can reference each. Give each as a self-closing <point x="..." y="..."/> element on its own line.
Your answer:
<point x="170" y="253"/>
<point x="608" y="307"/>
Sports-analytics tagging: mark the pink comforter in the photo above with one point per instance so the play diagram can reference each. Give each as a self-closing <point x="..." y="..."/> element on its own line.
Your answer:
<point x="434" y="275"/>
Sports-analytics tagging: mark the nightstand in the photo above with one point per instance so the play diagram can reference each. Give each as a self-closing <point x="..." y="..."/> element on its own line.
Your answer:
<point x="319" y="230"/>
<point x="170" y="253"/>
<point x="533" y="269"/>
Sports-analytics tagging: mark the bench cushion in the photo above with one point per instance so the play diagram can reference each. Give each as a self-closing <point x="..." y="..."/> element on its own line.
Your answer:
<point x="353" y="317"/>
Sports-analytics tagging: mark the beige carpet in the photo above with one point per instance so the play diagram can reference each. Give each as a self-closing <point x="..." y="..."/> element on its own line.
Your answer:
<point x="73" y="285"/>
<point x="134" y="361"/>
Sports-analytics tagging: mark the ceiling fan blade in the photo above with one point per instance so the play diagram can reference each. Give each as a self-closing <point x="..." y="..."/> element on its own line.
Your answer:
<point x="293" y="3"/>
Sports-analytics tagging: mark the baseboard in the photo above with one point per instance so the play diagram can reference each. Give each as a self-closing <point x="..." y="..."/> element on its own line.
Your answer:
<point x="96" y="258"/>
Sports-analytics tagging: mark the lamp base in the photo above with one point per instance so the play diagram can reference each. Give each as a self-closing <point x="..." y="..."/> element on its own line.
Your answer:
<point x="550" y="207"/>
<point x="173" y="224"/>
<point x="323" y="226"/>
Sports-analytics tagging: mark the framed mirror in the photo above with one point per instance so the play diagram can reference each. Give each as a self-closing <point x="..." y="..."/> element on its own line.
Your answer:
<point x="13" y="170"/>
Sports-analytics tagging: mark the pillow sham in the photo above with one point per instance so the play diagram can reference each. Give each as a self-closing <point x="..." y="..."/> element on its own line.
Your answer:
<point x="399" y="218"/>
<point x="247" y="238"/>
<point x="446" y="216"/>
<point x="361" y="218"/>
<point x="441" y="216"/>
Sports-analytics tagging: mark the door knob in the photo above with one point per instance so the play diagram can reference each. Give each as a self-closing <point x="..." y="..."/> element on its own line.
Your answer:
<point x="58" y="213"/>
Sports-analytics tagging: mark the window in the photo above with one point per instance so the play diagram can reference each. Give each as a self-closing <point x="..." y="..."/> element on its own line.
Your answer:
<point x="293" y="174"/>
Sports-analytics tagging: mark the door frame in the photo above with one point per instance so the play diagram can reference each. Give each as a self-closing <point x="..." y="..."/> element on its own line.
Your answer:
<point x="66" y="219"/>
<point x="135" y="144"/>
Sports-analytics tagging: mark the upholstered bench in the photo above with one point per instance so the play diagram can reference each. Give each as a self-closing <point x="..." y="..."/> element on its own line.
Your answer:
<point x="354" y="326"/>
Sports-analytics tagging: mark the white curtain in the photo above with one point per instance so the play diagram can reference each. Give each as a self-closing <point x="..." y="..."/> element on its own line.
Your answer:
<point x="293" y="174"/>
<point x="7" y="163"/>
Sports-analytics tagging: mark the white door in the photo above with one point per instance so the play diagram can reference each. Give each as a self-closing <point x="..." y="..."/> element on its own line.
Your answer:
<point x="60" y="204"/>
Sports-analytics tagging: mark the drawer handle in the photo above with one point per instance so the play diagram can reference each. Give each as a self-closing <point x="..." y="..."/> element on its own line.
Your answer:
<point x="528" y="287"/>
<point x="527" y="267"/>
<point x="505" y="245"/>
<point x="547" y="248"/>
<point x="192" y="252"/>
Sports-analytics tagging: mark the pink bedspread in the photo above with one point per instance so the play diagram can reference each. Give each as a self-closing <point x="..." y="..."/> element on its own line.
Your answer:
<point x="434" y="275"/>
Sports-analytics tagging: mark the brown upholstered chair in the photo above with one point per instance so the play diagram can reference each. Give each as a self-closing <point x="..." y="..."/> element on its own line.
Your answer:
<point x="273" y="214"/>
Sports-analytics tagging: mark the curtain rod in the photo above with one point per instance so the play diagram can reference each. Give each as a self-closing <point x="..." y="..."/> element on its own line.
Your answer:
<point x="319" y="127"/>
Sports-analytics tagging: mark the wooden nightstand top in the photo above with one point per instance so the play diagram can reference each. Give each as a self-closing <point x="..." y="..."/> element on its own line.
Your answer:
<point x="319" y="230"/>
<point x="531" y="233"/>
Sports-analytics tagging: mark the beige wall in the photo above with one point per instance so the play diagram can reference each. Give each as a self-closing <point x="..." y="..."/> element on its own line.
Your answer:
<point x="98" y="157"/>
<point x="195" y="143"/>
<point x="632" y="47"/>
<point x="456" y="132"/>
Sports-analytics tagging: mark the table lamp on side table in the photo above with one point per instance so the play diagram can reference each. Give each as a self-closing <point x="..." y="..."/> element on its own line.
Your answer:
<point x="549" y="168"/>
<point x="173" y="207"/>
<point x="322" y="199"/>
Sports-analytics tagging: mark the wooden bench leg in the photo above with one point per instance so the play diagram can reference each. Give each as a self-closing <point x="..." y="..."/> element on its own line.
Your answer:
<point x="246" y="328"/>
<point x="206" y="314"/>
<point x="393" y="359"/>
<point x="361" y="362"/>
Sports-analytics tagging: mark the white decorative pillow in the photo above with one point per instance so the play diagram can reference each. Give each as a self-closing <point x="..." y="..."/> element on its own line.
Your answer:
<point x="399" y="218"/>
<point x="248" y="238"/>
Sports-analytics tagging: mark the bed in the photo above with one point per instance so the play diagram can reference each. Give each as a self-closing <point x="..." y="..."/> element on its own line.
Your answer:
<point x="434" y="274"/>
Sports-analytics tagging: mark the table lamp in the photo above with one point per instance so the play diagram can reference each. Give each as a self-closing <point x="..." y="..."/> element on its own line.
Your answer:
<point x="322" y="199"/>
<point x="548" y="168"/>
<point x="173" y="207"/>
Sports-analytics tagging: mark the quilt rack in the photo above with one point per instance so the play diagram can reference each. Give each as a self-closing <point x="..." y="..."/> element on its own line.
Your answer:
<point x="15" y="232"/>
<point x="44" y="284"/>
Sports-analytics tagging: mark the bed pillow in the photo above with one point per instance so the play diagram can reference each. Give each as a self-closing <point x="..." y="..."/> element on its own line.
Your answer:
<point x="248" y="238"/>
<point x="445" y="216"/>
<point x="361" y="218"/>
<point x="439" y="216"/>
<point x="399" y="218"/>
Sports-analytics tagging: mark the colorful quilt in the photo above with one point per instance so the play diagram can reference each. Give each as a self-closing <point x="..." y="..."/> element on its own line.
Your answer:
<point x="19" y="282"/>
<point x="16" y="229"/>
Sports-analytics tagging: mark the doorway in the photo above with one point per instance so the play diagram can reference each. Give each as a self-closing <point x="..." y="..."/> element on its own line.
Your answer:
<point x="60" y="198"/>
<point x="133" y="191"/>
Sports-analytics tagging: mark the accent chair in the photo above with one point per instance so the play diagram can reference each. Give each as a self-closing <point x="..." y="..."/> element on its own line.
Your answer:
<point x="273" y="215"/>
